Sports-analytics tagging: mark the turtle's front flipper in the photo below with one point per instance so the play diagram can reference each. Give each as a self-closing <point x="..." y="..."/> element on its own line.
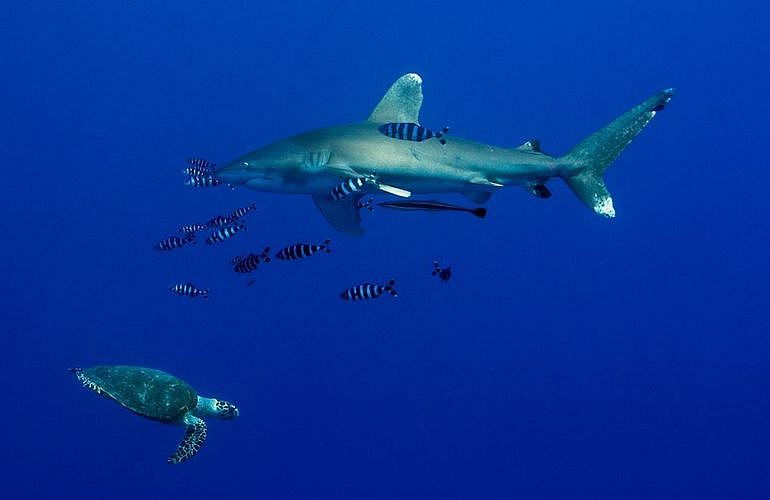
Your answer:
<point x="194" y="437"/>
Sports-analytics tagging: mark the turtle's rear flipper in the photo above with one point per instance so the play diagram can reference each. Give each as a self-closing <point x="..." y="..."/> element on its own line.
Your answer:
<point x="194" y="437"/>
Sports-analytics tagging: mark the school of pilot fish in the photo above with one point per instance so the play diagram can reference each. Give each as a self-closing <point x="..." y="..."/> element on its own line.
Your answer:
<point x="200" y="173"/>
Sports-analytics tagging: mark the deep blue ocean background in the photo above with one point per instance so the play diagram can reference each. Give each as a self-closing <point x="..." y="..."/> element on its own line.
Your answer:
<point x="569" y="357"/>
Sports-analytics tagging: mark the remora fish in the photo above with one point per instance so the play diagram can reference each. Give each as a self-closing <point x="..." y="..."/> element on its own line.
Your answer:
<point x="433" y="206"/>
<point x="313" y="162"/>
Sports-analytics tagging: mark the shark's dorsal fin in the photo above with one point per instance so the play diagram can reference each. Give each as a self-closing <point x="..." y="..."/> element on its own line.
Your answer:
<point x="530" y="145"/>
<point x="401" y="103"/>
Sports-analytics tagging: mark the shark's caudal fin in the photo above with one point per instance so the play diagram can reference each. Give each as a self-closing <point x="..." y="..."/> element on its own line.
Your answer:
<point x="587" y="162"/>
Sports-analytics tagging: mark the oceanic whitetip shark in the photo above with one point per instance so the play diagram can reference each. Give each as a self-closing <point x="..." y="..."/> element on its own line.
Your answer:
<point x="315" y="162"/>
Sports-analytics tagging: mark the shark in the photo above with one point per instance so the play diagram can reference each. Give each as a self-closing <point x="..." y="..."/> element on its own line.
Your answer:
<point x="314" y="162"/>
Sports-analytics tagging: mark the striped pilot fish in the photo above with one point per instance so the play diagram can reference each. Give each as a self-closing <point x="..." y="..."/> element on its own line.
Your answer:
<point x="349" y="186"/>
<point x="220" y="221"/>
<point x="192" y="228"/>
<point x="189" y="290"/>
<point x="240" y="212"/>
<point x="412" y="132"/>
<point x="302" y="250"/>
<point x="367" y="291"/>
<point x="224" y="233"/>
<point x="197" y="171"/>
<point x="206" y="180"/>
<point x="199" y="166"/>
<point x="248" y="263"/>
<point x="173" y="242"/>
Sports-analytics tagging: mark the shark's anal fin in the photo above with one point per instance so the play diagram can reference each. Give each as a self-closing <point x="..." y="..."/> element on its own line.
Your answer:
<point x="342" y="215"/>
<point x="401" y="103"/>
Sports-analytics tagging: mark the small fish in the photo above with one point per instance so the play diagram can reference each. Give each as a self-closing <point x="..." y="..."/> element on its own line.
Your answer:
<point x="240" y="212"/>
<point x="196" y="172"/>
<point x="302" y="250"/>
<point x="433" y="206"/>
<point x="368" y="291"/>
<point x="348" y="186"/>
<point x="189" y="290"/>
<point x="412" y="132"/>
<point x="202" y="164"/>
<point x="220" y="221"/>
<point x="192" y="228"/>
<point x="202" y="181"/>
<point x="173" y="242"/>
<point x="248" y="263"/>
<point x="364" y="203"/>
<point x="251" y="282"/>
<point x="224" y="233"/>
<point x="444" y="274"/>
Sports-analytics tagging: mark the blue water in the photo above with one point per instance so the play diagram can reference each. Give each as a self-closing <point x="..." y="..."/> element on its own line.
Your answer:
<point x="569" y="356"/>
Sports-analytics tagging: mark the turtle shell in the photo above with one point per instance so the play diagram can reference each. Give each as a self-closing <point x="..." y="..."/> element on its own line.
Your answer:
<point x="151" y="393"/>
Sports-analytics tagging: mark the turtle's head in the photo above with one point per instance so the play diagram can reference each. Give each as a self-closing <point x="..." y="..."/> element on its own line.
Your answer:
<point x="226" y="409"/>
<point x="212" y="407"/>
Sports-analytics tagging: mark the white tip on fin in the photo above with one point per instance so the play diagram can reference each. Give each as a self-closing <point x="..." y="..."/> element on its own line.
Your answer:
<point x="604" y="206"/>
<point x="401" y="103"/>
<point x="403" y="193"/>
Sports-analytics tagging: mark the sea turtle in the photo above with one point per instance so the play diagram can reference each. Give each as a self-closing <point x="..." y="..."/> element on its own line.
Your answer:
<point x="159" y="396"/>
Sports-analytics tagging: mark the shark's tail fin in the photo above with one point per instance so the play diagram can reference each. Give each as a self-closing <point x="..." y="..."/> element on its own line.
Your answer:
<point x="586" y="163"/>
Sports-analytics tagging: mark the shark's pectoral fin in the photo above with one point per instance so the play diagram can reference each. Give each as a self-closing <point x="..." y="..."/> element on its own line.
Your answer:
<point x="479" y="197"/>
<point x="401" y="103"/>
<point x="403" y="193"/>
<point x="342" y="215"/>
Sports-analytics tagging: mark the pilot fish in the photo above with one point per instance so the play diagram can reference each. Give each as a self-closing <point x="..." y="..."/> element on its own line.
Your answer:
<point x="302" y="250"/>
<point x="189" y="290"/>
<point x="198" y="167"/>
<point x="240" y="212"/>
<point x="412" y="132"/>
<point x="248" y="263"/>
<point x="224" y="233"/>
<point x="347" y="187"/>
<point x="206" y="180"/>
<point x="173" y="242"/>
<point x="192" y="228"/>
<point x="367" y="291"/>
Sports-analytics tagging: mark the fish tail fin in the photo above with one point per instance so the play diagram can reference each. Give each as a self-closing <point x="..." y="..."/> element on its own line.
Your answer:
<point x="389" y="288"/>
<point x="325" y="246"/>
<point x="265" y="257"/>
<point x="440" y="135"/>
<point x="587" y="162"/>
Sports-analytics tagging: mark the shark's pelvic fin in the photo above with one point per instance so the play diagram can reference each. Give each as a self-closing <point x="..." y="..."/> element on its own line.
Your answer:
<point x="342" y="215"/>
<point x="401" y="103"/>
<point x="479" y="197"/>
